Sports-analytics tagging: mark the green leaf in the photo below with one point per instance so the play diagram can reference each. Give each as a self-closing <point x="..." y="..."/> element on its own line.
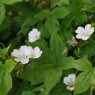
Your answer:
<point x="10" y="1"/>
<point x="60" y="89"/>
<point x="54" y="3"/>
<point x="44" y="32"/>
<point x="84" y="80"/>
<point x="19" y="87"/>
<point x="91" y="2"/>
<point x="24" y="30"/>
<point x="67" y="63"/>
<point x="1" y="53"/>
<point x="38" y="72"/>
<point x="88" y="49"/>
<point x="83" y="64"/>
<point x="43" y="14"/>
<point x="63" y="2"/>
<point x="2" y="12"/>
<point x="58" y="48"/>
<point x="52" y="25"/>
<point x="87" y="92"/>
<point x="6" y="24"/>
<point x="7" y="82"/>
<point x="9" y="65"/>
<point x="92" y="76"/>
<point x="52" y="78"/>
<point x="77" y="12"/>
<point x="5" y="50"/>
<point x="66" y="22"/>
<point x="5" y="77"/>
<point x="27" y="93"/>
<point x="1" y="65"/>
<point x="81" y="18"/>
<point x="60" y="12"/>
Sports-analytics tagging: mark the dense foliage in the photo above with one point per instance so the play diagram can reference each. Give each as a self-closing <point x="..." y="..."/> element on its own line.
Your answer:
<point x="58" y="58"/>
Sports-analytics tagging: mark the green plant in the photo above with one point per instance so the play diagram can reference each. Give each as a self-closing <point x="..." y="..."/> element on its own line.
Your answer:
<point x="47" y="47"/>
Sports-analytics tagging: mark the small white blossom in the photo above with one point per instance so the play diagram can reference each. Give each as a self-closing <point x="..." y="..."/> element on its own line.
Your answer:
<point x="84" y="33"/>
<point x="34" y="53"/>
<point x="69" y="81"/>
<point x="21" y="55"/>
<point x="34" y="35"/>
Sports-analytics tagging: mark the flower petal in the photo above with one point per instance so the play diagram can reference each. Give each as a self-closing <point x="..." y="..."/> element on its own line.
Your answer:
<point x="33" y="35"/>
<point x="80" y="30"/>
<point x="17" y="59"/>
<point x="72" y="77"/>
<point x="31" y="52"/>
<point x="91" y="30"/>
<point x="37" y="52"/>
<point x="84" y="38"/>
<point x="66" y="80"/>
<point x="35" y="32"/>
<point x="32" y="39"/>
<point x="87" y="27"/>
<point x="25" y="61"/>
<point x="15" y="53"/>
<point x="78" y="36"/>
<point x="24" y="50"/>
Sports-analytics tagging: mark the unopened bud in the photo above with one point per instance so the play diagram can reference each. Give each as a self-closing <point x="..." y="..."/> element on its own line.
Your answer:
<point x="10" y="13"/>
<point x="41" y="89"/>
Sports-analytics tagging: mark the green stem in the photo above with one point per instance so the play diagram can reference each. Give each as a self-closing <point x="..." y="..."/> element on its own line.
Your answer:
<point x="2" y="45"/>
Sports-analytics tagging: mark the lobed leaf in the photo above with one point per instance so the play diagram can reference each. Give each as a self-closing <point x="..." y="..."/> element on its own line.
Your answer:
<point x="82" y="83"/>
<point x="10" y="1"/>
<point x="67" y="63"/>
<point x="58" y="48"/>
<point x="5" y="77"/>
<point x="52" y="78"/>
<point x="43" y="14"/>
<point x="27" y="93"/>
<point x="60" y="12"/>
<point x="83" y="64"/>
<point x="51" y="24"/>
<point x="54" y="3"/>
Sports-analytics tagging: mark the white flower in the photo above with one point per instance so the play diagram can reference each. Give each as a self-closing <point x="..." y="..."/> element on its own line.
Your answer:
<point x="34" y="53"/>
<point x="21" y="55"/>
<point x="69" y="81"/>
<point x="84" y="33"/>
<point x="34" y="35"/>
